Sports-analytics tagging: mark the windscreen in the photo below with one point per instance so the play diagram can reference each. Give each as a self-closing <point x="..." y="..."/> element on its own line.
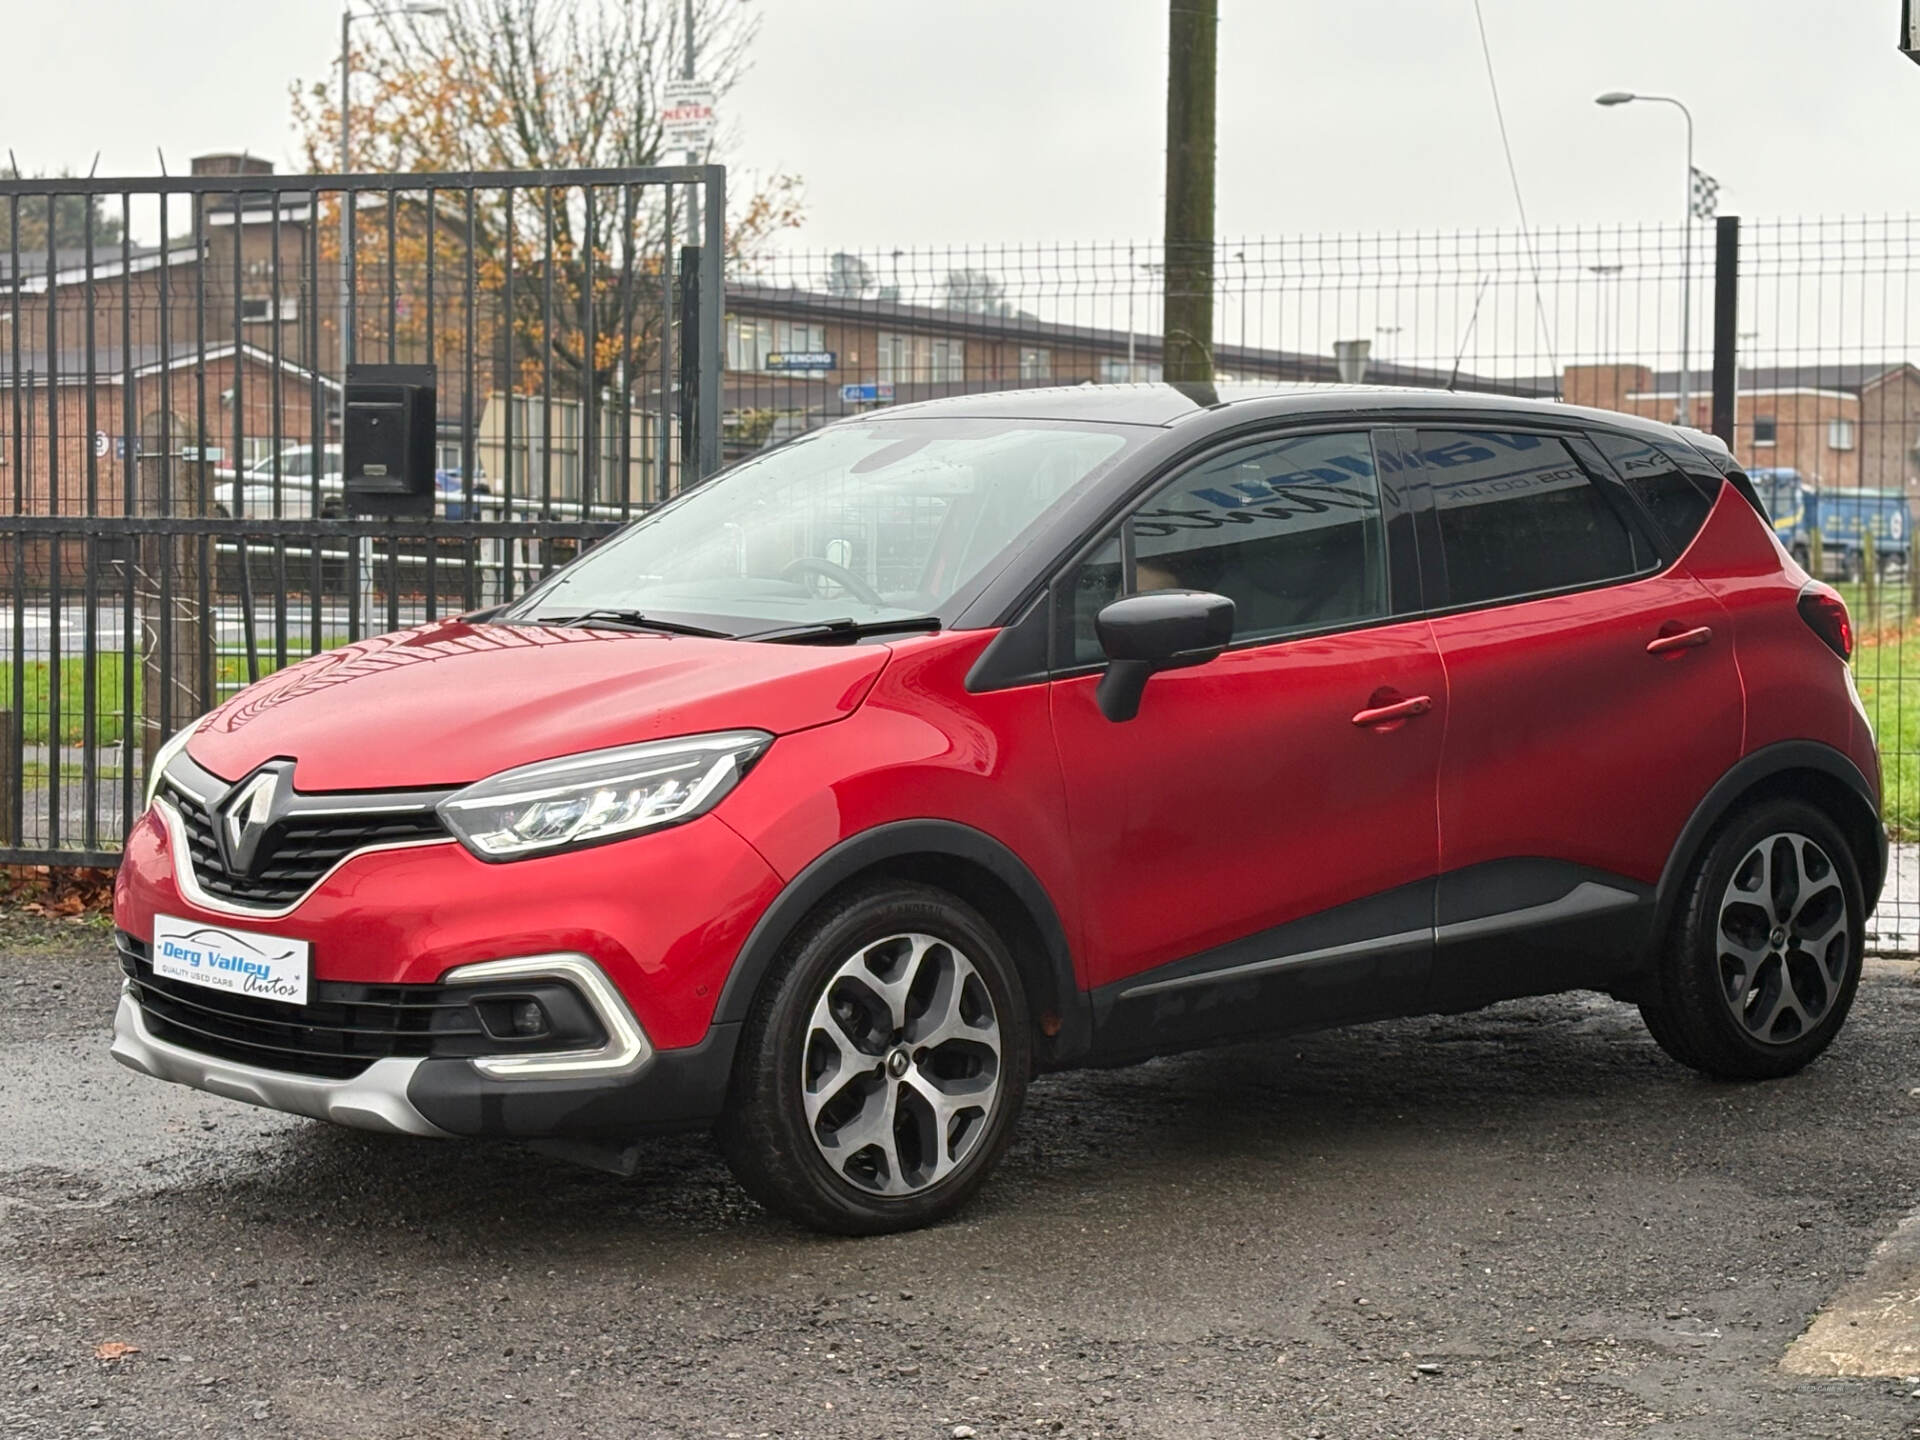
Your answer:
<point x="864" y="521"/>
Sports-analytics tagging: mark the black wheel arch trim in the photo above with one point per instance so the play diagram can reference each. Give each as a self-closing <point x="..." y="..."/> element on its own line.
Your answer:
<point x="899" y="840"/>
<point x="1749" y="771"/>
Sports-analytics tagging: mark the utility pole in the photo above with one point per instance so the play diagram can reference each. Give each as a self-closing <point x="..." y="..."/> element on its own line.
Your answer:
<point x="1187" y="328"/>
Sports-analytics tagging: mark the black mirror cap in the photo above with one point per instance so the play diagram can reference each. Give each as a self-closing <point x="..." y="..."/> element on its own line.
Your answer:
<point x="1160" y="630"/>
<point x="1166" y="629"/>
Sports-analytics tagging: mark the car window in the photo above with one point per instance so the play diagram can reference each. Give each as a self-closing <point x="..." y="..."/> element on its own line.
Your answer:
<point x="866" y="520"/>
<point x="1289" y="528"/>
<point x="1518" y="516"/>
<point x="1678" y="502"/>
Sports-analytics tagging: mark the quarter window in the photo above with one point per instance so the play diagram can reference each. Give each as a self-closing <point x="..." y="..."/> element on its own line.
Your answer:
<point x="1289" y="529"/>
<point x="1678" y="503"/>
<point x="1518" y="516"/>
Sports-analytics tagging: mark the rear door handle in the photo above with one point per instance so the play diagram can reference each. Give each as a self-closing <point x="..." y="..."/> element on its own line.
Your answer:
<point x="1398" y="710"/>
<point x="1680" y="640"/>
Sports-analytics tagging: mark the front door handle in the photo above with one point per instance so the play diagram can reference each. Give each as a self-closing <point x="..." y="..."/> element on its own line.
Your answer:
<point x="1680" y="640"/>
<point x="1398" y="710"/>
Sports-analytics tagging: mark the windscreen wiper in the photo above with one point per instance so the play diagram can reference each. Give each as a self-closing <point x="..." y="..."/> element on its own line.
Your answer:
<point x="627" y="620"/>
<point x="843" y="628"/>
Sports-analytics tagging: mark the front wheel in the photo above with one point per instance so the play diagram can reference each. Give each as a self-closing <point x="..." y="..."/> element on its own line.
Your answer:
<point x="883" y="1065"/>
<point x="1764" y="953"/>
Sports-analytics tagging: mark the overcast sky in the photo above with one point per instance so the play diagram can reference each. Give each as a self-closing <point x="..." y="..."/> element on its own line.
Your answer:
<point x="916" y="122"/>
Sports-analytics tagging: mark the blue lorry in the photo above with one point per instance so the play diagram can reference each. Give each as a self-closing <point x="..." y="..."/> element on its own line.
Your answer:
<point x="1843" y="518"/>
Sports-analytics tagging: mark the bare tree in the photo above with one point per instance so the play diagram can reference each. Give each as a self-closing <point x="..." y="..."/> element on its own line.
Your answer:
<point x="545" y="85"/>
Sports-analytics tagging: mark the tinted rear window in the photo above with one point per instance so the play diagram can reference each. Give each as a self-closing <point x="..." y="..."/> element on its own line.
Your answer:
<point x="1518" y="516"/>
<point x="1678" y="502"/>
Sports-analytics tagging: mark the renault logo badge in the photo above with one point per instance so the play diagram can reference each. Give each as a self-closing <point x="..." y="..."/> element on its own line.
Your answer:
<point x="247" y="815"/>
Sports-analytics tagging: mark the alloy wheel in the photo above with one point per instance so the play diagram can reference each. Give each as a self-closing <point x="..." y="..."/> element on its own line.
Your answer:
<point x="1783" y="938"/>
<point x="901" y="1068"/>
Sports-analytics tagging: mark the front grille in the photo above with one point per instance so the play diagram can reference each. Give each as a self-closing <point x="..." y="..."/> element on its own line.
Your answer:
<point x="296" y="852"/>
<point x="344" y="1027"/>
<point x="341" y="1030"/>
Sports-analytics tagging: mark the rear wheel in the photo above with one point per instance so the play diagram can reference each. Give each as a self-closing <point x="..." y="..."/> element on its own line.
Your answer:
<point x="882" y="1068"/>
<point x="1764" y="953"/>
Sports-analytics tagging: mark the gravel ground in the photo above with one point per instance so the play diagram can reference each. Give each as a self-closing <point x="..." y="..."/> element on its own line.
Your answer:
<point x="1520" y="1222"/>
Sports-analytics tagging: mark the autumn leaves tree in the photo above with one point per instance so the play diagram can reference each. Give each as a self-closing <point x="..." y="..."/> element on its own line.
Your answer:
<point x="518" y="85"/>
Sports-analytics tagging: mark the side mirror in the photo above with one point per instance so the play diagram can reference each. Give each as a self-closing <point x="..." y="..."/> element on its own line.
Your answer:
<point x="1160" y="630"/>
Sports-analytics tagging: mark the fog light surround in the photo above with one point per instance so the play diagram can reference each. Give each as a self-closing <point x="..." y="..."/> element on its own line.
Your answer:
<point x="625" y="1050"/>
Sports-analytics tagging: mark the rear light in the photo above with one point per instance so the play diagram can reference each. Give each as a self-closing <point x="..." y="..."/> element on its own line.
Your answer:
<point x="1826" y="615"/>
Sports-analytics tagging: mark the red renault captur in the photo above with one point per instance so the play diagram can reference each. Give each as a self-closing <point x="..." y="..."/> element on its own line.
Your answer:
<point x="828" y="803"/>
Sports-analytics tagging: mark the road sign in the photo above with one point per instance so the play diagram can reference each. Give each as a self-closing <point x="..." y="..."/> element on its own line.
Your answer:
<point x="686" y="115"/>
<point x="868" y="394"/>
<point x="802" y="360"/>
<point x="102" y="443"/>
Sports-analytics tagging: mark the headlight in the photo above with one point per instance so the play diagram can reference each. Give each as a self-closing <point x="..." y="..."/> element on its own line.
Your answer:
<point x="602" y="795"/>
<point x="164" y="756"/>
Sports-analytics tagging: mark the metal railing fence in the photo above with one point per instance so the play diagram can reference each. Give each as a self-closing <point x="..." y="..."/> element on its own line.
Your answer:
<point x="171" y="358"/>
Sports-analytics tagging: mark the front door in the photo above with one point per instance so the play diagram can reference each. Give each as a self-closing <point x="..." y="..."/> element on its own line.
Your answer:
<point x="1257" y="849"/>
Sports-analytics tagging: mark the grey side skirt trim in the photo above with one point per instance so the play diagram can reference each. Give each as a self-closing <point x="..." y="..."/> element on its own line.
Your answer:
<point x="1589" y="897"/>
<point x="1379" y="945"/>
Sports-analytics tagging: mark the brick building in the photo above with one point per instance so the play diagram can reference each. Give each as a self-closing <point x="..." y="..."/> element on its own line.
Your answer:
<point x="1838" y="425"/>
<point x="230" y="325"/>
<point x="68" y="431"/>
<point x="925" y="351"/>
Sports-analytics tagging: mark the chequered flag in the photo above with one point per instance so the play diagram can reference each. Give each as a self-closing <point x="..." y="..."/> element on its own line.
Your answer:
<point x="1706" y="194"/>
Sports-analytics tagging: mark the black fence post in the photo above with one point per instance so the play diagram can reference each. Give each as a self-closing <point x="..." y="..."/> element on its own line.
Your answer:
<point x="1726" y="330"/>
<point x="690" y="302"/>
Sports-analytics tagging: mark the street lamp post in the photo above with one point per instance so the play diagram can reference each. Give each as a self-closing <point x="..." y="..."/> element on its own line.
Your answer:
<point x="362" y="590"/>
<point x="1606" y="273"/>
<point x="1683" y="409"/>
<point x="687" y="67"/>
<point x="419" y="8"/>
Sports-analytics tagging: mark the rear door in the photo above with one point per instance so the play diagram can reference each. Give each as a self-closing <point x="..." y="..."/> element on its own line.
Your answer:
<point x="1593" y="700"/>
<point x="1256" y="849"/>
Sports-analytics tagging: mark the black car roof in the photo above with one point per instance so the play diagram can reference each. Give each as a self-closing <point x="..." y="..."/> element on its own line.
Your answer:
<point x="1167" y="405"/>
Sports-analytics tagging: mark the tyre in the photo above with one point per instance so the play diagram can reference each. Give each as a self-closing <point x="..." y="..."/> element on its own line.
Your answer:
<point x="1763" y="955"/>
<point x="882" y="1066"/>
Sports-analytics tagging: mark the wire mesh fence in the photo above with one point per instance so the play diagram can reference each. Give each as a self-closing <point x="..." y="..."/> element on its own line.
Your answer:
<point x="195" y="381"/>
<point x="1825" y="394"/>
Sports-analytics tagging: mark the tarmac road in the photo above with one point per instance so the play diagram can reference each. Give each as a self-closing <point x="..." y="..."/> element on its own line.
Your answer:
<point x="1520" y="1222"/>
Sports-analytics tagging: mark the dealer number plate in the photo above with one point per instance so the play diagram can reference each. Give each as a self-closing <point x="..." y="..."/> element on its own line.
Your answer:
<point x="240" y="962"/>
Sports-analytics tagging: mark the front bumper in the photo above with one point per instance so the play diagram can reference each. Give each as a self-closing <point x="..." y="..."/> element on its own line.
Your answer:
<point x="669" y="1090"/>
<point x="658" y="920"/>
<point x="375" y="1099"/>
